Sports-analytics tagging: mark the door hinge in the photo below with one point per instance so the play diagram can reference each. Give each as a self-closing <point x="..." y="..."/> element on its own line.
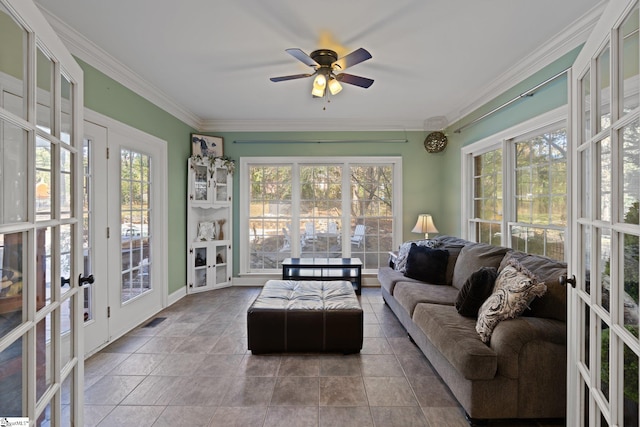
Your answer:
<point x="108" y="232"/>
<point x="108" y="312"/>
<point x="107" y="153"/>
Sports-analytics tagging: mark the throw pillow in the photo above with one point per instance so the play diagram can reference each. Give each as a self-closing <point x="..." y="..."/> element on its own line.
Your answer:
<point x="472" y="257"/>
<point x="475" y="291"/>
<point x="515" y="288"/>
<point x="428" y="265"/>
<point x="403" y="252"/>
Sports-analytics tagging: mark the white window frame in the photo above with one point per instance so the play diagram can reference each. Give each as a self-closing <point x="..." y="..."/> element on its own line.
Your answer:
<point x="344" y="161"/>
<point x="504" y="141"/>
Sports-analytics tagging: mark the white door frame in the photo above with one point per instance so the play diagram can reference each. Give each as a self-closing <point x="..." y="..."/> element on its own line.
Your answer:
<point x="124" y="318"/>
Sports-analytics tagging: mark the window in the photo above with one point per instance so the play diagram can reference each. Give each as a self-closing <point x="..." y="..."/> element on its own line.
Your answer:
<point x="517" y="193"/>
<point x="318" y="207"/>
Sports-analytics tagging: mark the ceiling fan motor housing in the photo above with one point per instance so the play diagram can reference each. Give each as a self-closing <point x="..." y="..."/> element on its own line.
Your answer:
<point x="324" y="57"/>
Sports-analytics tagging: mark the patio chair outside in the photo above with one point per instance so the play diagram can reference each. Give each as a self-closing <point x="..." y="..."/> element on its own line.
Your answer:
<point x="358" y="235"/>
<point x="309" y="232"/>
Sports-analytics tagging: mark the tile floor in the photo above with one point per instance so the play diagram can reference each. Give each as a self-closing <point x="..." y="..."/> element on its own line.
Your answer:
<point x="193" y="369"/>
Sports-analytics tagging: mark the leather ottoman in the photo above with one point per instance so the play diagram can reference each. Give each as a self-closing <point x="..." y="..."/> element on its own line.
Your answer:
<point x="305" y="316"/>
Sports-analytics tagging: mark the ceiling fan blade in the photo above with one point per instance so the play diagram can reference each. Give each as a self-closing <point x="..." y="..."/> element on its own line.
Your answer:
<point x="292" y="77"/>
<point x="302" y="57"/>
<point x="354" y="80"/>
<point x="355" y="57"/>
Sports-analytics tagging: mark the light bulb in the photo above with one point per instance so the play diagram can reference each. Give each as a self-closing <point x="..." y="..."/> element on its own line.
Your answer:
<point x="320" y="80"/>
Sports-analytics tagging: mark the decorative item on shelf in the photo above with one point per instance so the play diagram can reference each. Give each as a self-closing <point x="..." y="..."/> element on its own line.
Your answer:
<point x="220" y="232"/>
<point x="219" y="259"/>
<point x="200" y="261"/>
<point x="424" y="225"/>
<point x="227" y="162"/>
<point x="435" y="142"/>
<point x="206" y="230"/>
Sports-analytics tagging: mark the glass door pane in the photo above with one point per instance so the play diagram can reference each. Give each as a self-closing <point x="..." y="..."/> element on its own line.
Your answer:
<point x="135" y="218"/>
<point x="14" y="39"/>
<point x="630" y="66"/>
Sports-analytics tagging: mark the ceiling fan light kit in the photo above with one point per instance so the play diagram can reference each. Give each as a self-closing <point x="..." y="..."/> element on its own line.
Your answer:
<point x="325" y="62"/>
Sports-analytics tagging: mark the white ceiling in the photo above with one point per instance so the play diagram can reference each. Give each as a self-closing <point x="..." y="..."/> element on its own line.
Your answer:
<point x="209" y="61"/>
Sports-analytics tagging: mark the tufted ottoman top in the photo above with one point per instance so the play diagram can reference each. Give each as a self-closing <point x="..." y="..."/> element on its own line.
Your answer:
<point x="307" y="295"/>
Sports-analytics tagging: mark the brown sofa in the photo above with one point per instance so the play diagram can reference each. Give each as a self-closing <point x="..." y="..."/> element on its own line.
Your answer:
<point x="521" y="372"/>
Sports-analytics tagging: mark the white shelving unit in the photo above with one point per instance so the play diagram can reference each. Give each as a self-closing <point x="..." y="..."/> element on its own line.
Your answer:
<point x="209" y="226"/>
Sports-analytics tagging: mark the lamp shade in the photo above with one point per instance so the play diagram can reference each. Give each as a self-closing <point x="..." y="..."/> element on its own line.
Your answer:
<point x="424" y="225"/>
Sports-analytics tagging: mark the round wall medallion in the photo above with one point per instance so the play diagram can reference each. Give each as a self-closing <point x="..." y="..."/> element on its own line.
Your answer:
<point x="435" y="142"/>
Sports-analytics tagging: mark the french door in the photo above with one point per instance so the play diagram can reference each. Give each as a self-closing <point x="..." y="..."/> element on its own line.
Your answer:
<point x="125" y="227"/>
<point x="604" y="348"/>
<point x="41" y="340"/>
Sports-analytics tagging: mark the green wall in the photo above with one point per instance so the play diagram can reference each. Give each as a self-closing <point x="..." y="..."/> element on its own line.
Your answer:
<point x="431" y="182"/>
<point x="547" y="98"/>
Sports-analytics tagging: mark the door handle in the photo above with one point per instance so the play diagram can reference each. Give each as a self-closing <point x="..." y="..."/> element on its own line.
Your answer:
<point x="571" y="280"/>
<point x="88" y="280"/>
<point x="64" y="281"/>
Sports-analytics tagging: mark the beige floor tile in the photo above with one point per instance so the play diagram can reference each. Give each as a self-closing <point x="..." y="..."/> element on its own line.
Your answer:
<point x="249" y="391"/>
<point x="401" y="417"/>
<point x="200" y="391"/>
<point x="389" y="391"/>
<point x="431" y="392"/>
<point x="138" y="364"/>
<point x="299" y="366"/>
<point x="132" y="416"/>
<point x="161" y="345"/>
<point x="292" y="416"/>
<point x="296" y="391"/>
<point x="218" y="365"/>
<point x="102" y="363"/>
<point x="380" y="365"/>
<point x="93" y="414"/>
<point x="230" y="345"/>
<point x="111" y="389"/>
<point x="192" y="416"/>
<point x="341" y="366"/>
<point x="238" y="417"/>
<point x="342" y="391"/>
<point x="197" y="344"/>
<point x="259" y="366"/>
<point x="376" y="346"/>
<point x="415" y="364"/>
<point x="179" y="365"/>
<point x="154" y="390"/>
<point x="336" y="416"/>
<point x="127" y="344"/>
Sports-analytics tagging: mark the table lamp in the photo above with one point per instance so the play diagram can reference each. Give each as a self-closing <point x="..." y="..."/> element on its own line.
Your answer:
<point x="424" y="225"/>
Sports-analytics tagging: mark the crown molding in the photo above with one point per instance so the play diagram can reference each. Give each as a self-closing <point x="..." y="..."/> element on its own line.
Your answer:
<point x="89" y="52"/>
<point x="310" y="125"/>
<point x="572" y="37"/>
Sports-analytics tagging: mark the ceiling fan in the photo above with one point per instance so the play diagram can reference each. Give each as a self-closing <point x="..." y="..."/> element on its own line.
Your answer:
<point x="326" y="64"/>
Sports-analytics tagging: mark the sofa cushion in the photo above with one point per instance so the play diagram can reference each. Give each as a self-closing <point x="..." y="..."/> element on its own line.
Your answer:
<point x="553" y="304"/>
<point x="400" y="262"/>
<point x="454" y="253"/>
<point x="388" y="277"/>
<point x="475" y="291"/>
<point x="456" y="339"/>
<point x="515" y="288"/>
<point x="410" y="294"/>
<point x="426" y="264"/>
<point x="472" y="257"/>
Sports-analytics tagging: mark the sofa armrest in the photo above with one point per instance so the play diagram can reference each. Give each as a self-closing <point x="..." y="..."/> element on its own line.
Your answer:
<point x="511" y="337"/>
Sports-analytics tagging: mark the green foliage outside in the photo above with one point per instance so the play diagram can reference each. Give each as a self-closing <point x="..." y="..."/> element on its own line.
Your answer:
<point x="630" y="364"/>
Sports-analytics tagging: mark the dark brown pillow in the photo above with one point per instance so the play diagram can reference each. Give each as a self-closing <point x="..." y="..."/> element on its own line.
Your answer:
<point x="475" y="291"/>
<point x="428" y="265"/>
